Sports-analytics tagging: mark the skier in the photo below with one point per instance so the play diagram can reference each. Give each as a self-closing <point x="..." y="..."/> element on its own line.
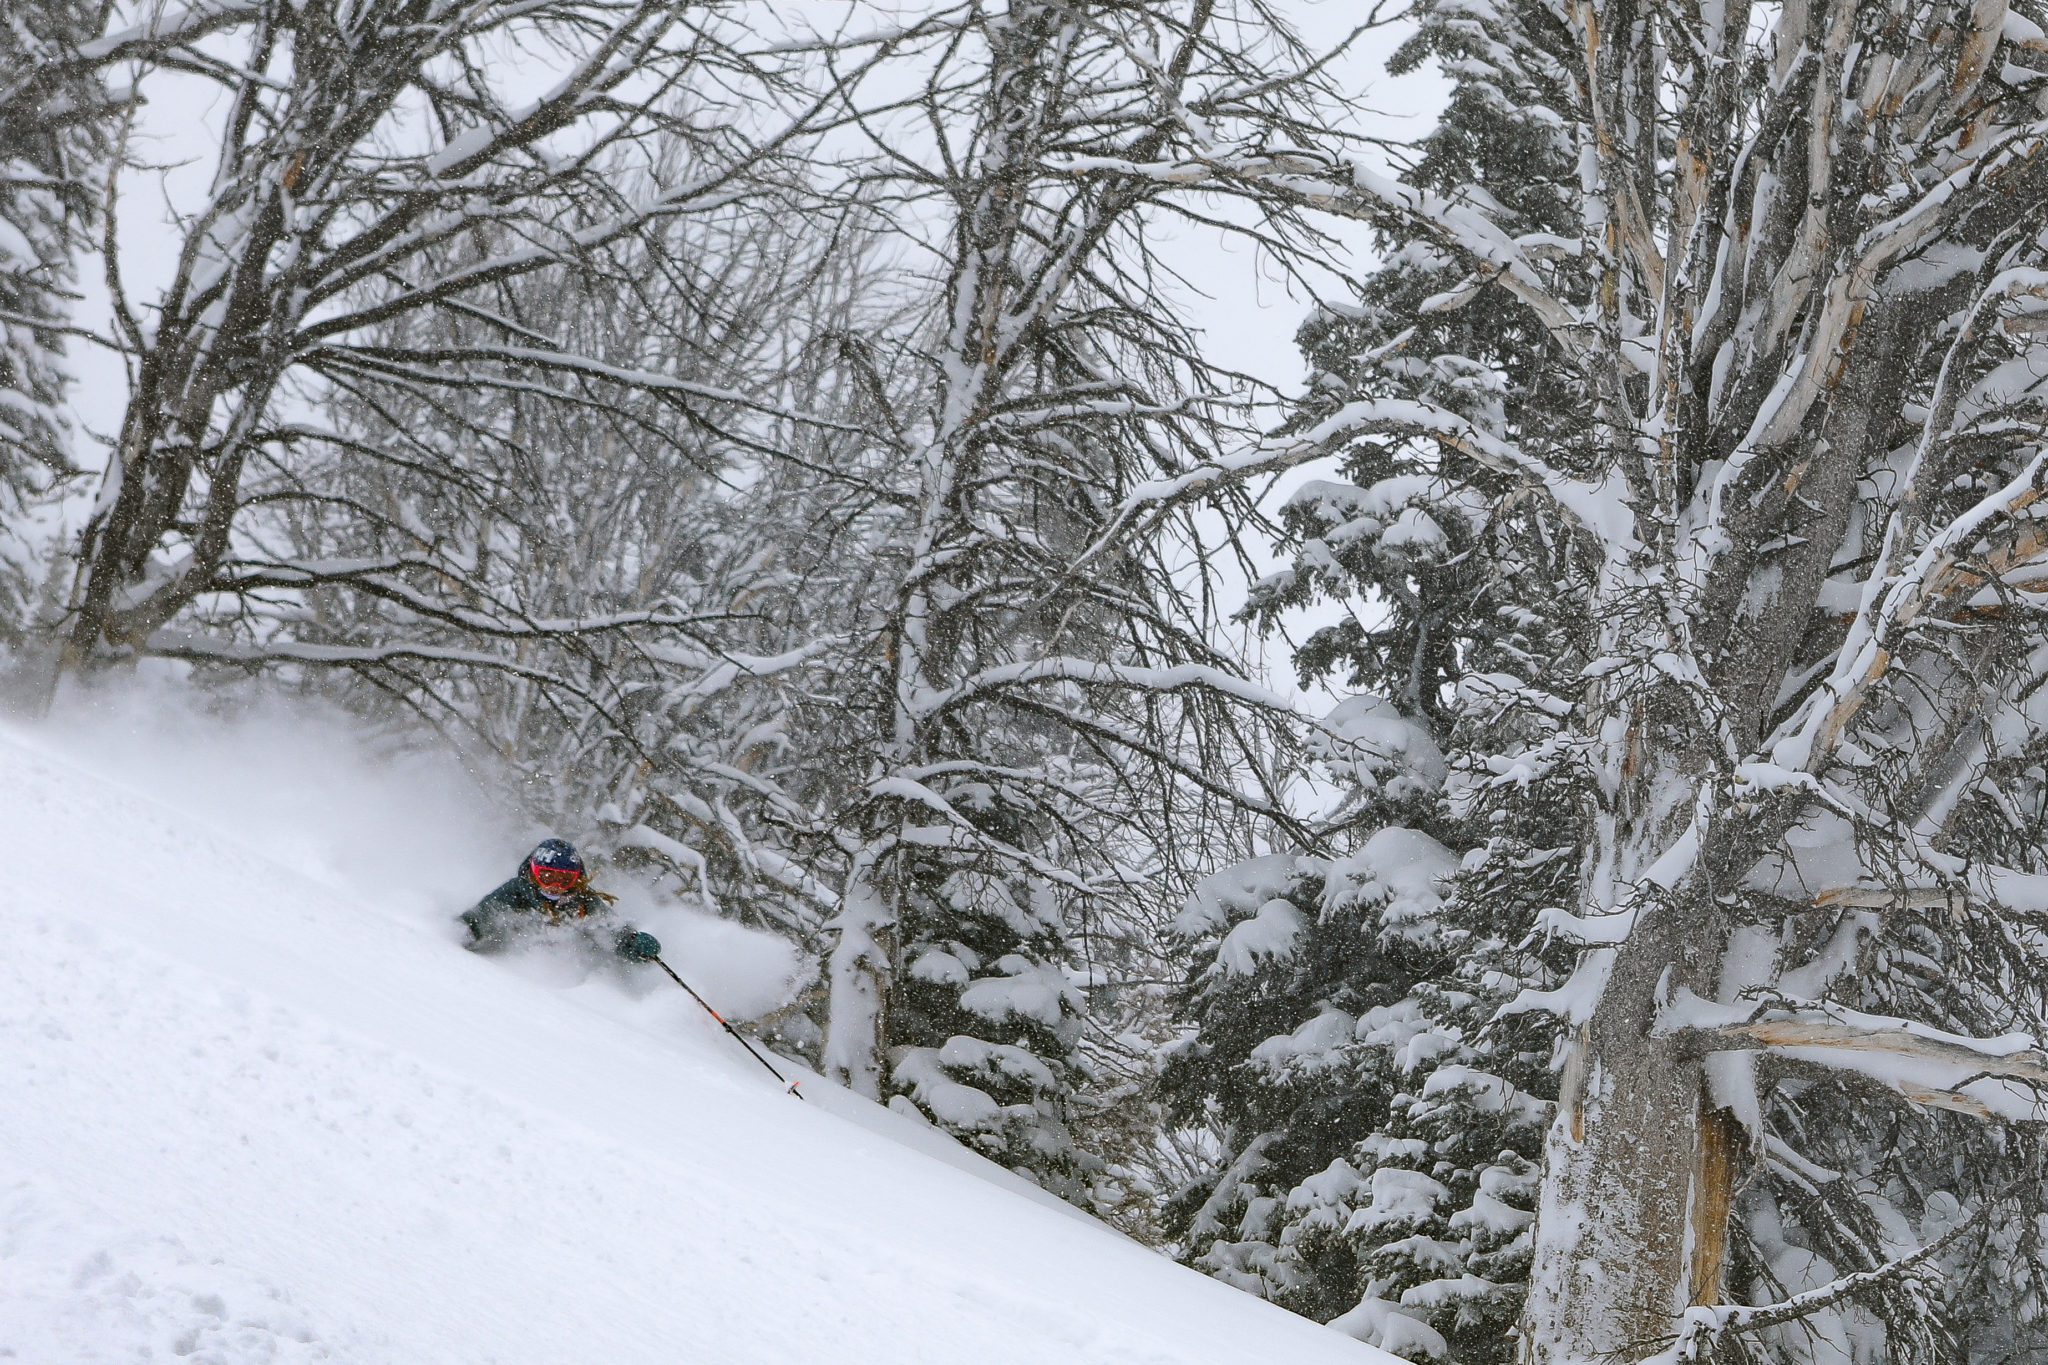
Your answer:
<point x="552" y="889"/>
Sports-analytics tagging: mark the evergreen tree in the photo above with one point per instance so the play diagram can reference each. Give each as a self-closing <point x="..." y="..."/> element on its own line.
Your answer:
<point x="1379" y="1120"/>
<point x="987" y="1019"/>
<point x="1405" y="1215"/>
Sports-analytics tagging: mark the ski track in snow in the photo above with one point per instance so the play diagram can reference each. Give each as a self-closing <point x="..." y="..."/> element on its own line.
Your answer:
<point x="246" y="1117"/>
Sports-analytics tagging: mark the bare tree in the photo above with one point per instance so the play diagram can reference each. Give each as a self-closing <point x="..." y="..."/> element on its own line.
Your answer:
<point x="362" y="148"/>
<point x="1044" y="690"/>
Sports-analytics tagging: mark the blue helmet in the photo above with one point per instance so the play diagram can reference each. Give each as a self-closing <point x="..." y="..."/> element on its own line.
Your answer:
<point x="555" y="868"/>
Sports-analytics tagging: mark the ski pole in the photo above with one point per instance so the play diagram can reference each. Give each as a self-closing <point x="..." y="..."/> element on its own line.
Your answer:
<point x="738" y="1037"/>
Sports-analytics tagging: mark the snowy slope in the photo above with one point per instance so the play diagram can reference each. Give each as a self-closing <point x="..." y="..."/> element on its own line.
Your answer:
<point x="250" y="1111"/>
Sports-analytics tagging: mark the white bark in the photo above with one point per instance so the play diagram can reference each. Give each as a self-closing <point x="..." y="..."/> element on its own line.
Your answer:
<point x="1769" y="278"/>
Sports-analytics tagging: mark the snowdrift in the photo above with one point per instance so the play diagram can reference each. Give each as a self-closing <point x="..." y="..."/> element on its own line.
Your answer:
<point x="256" y="1105"/>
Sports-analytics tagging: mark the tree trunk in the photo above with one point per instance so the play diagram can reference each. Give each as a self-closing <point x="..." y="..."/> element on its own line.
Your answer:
<point x="858" y="976"/>
<point x="1618" y="1255"/>
<point x="1623" y="1168"/>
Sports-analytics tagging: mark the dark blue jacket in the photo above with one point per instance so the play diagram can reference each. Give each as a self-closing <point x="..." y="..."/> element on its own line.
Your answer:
<point x="518" y="908"/>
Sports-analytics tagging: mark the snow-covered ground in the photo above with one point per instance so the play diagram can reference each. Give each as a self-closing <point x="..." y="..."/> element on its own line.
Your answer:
<point x="257" y="1105"/>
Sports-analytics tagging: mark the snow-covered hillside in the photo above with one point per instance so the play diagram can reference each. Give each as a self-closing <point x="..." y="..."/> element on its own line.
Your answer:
<point x="256" y="1105"/>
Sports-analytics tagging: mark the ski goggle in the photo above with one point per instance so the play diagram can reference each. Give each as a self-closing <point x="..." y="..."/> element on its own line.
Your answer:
<point x="554" y="881"/>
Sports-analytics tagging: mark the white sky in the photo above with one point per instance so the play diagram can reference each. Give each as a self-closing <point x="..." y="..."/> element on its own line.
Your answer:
<point x="1251" y="315"/>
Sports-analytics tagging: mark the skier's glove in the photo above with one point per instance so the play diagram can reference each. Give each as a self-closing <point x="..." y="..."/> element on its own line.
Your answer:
<point x="636" y="946"/>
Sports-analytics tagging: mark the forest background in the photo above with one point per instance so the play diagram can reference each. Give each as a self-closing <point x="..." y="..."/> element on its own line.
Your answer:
<point x="1394" y="646"/>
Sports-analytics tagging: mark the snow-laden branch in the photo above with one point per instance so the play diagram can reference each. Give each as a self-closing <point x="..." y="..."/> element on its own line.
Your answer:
<point x="168" y="27"/>
<point x="174" y="644"/>
<point x="1596" y="509"/>
<point x="1919" y="1060"/>
<point x="399" y="240"/>
<point x="959" y="832"/>
<point x="933" y="702"/>
<point x="1704" y="1326"/>
<point x="1348" y="188"/>
<point x="1974" y="885"/>
<point x="1944" y="568"/>
<point x="383" y="578"/>
<point x="443" y="365"/>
